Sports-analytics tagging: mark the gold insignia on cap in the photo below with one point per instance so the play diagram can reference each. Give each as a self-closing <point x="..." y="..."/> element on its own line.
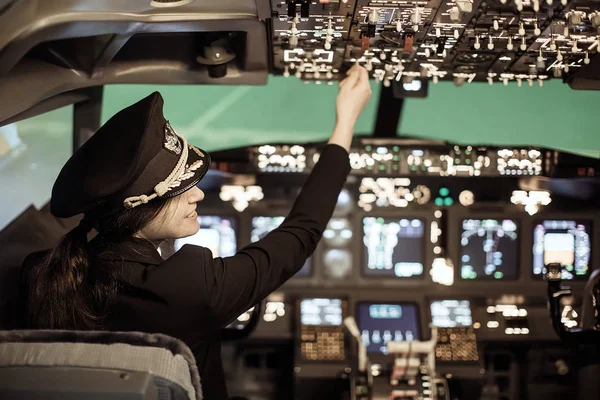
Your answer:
<point x="181" y="172"/>
<point x="172" y="142"/>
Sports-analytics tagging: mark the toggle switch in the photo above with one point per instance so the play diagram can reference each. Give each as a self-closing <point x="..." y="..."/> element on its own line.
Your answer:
<point x="373" y="17"/>
<point x="454" y="14"/>
<point x="595" y="19"/>
<point x="519" y="5"/>
<point x="415" y="18"/>
<point x="540" y="64"/>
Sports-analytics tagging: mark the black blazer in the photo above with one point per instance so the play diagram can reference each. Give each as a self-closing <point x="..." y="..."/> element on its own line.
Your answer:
<point x="192" y="296"/>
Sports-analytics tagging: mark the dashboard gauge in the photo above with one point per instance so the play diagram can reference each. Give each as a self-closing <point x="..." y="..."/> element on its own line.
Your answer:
<point x="338" y="263"/>
<point x="489" y="249"/>
<point x="466" y="198"/>
<point x="338" y="233"/>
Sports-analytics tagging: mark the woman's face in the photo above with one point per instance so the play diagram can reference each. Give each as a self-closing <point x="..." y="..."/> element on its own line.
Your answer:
<point x="177" y="219"/>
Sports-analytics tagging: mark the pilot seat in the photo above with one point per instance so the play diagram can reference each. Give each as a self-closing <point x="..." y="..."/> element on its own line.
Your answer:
<point x="76" y="365"/>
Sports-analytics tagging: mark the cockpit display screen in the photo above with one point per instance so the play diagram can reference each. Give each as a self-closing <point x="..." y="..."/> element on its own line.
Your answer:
<point x="489" y="249"/>
<point x="262" y="225"/>
<point x="321" y="312"/>
<point x="451" y="313"/>
<point x="562" y="241"/>
<point x="216" y="233"/>
<point x="393" y="247"/>
<point x="380" y="323"/>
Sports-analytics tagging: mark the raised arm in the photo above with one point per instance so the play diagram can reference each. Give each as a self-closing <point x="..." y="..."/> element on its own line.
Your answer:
<point x="236" y="283"/>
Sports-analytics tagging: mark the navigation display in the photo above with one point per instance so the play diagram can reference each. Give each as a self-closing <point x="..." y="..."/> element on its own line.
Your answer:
<point x="393" y="247"/>
<point x="321" y="312"/>
<point x="562" y="241"/>
<point x="261" y="226"/>
<point x="451" y="313"/>
<point x="218" y="234"/>
<point x="379" y="323"/>
<point x="489" y="249"/>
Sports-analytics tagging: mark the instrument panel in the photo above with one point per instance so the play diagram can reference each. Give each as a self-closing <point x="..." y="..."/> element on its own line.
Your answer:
<point x="505" y="42"/>
<point x="384" y="268"/>
<point x="427" y="241"/>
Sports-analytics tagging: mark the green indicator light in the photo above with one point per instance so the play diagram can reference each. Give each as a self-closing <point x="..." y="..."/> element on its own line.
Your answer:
<point x="439" y="202"/>
<point x="444" y="192"/>
<point x="498" y="275"/>
<point x="448" y="201"/>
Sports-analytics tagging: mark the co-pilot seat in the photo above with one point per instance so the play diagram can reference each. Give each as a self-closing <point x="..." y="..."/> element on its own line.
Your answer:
<point x="77" y="365"/>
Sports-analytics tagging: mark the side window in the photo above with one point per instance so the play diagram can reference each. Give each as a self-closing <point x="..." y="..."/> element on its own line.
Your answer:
<point x="32" y="152"/>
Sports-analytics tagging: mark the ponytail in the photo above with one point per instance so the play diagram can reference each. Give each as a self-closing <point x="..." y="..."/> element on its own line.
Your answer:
<point x="56" y="298"/>
<point x="65" y="290"/>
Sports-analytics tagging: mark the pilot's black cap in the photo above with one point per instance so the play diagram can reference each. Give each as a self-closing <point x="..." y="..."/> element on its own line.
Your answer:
<point x="134" y="158"/>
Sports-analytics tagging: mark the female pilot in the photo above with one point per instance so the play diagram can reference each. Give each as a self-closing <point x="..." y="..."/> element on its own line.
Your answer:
<point x="135" y="182"/>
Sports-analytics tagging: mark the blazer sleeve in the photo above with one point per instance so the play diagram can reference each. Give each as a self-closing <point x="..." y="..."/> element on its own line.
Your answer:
<point x="234" y="284"/>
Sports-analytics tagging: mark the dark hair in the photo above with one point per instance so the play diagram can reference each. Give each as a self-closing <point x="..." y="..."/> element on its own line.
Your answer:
<point x="65" y="292"/>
